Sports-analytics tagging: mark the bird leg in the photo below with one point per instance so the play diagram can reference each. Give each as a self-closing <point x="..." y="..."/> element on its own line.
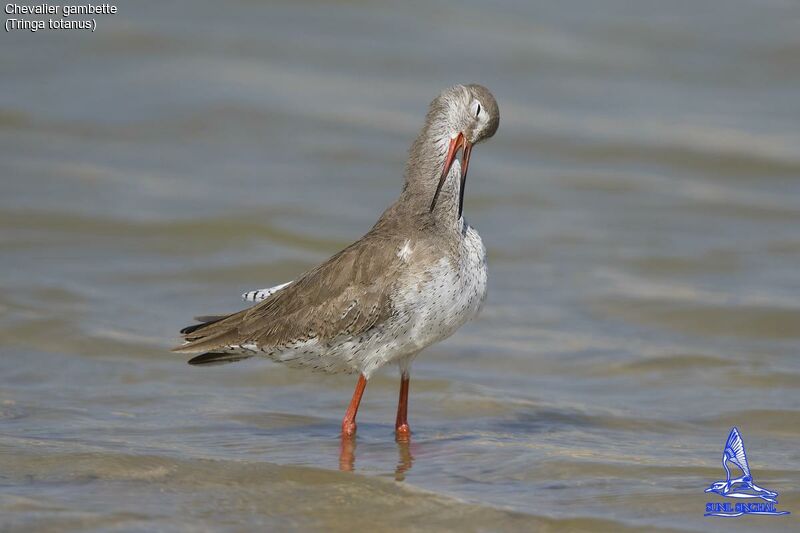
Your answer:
<point x="349" y="422"/>
<point x="402" y="431"/>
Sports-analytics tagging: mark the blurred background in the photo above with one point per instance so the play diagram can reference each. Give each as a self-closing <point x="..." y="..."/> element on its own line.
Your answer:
<point x="640" y="205"/>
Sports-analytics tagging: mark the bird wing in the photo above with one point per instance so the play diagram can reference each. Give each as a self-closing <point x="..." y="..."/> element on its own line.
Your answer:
<point x="349" y="293"/>
<point x="734" y="450"/>
<point x="262" y="294"/>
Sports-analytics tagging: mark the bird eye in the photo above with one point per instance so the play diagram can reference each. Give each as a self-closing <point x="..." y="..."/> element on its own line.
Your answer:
<point x="478" y="112"/>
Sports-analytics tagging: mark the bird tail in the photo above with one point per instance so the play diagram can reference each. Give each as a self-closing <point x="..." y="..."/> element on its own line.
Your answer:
<point x="218" y="358"/>
<point x="206" y="320"/>
<point x="213" y="333"/>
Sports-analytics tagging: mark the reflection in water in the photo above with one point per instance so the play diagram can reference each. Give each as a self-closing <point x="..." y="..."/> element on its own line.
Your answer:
<point x="347" y="453"/>
<point x="404" y="458"/>
<point x="347" y="456"/>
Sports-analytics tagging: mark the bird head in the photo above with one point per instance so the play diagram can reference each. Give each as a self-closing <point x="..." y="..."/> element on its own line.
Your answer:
<point x="717" y="486"/>
<point x="460" y="117"/>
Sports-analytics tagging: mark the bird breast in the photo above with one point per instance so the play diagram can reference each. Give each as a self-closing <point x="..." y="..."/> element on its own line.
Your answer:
<point x="447" y="293"/>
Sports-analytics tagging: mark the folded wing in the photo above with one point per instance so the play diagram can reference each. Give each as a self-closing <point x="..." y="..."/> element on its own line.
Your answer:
<point x="348" y="294"/>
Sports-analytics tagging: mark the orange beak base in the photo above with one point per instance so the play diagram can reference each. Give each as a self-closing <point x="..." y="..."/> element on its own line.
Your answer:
<point x="457" y="143"/>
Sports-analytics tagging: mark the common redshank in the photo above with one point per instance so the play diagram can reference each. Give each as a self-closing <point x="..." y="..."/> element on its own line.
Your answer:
<point x="416" y="277"/>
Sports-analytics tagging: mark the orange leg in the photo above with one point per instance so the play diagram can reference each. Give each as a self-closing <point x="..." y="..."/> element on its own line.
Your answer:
<point x="349" y="422"/>
<point x="402" y="431"/>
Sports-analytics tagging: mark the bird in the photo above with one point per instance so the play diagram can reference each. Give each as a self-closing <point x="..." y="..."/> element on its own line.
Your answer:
<point x="734" y="453"/>
<point x="412" y="280"/>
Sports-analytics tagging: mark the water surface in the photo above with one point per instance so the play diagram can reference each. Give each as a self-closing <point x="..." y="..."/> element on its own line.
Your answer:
<point x="640" y="204"/>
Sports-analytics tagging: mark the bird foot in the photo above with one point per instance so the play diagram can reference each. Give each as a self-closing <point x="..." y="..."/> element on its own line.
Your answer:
<point x="348" y="428"/>
<point x="402" y="433"/>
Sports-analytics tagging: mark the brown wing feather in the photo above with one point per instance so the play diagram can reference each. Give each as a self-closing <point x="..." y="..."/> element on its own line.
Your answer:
<point x="348" y="292"/>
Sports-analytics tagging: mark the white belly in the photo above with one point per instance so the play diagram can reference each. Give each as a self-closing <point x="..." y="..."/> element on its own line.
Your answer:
<point x="450" y="294"/>
<point x="426" y="309"/>
<point x="455" y="293"/>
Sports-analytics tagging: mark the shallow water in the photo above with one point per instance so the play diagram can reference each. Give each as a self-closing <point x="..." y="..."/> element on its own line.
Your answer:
<point x="640" y="205"/>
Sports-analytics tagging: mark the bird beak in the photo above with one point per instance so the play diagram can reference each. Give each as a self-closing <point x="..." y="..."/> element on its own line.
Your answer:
<point x="457" y="143"/>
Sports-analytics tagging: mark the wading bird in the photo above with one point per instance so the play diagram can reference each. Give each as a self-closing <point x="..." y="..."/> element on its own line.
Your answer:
<point x="412" y="280"/>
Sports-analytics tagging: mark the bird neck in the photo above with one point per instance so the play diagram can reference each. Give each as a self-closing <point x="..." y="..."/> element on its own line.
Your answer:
<point x="423" y="170"/>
